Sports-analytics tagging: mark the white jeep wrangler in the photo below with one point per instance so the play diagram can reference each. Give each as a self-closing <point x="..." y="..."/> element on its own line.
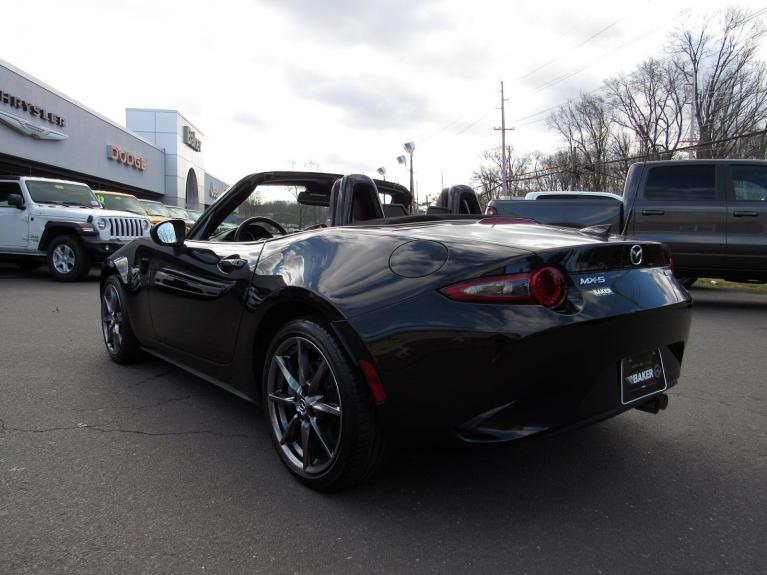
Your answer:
<point x="62" y="222"/>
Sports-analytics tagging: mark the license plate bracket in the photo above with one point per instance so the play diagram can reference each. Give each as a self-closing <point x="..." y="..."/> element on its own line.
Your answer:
<point x="642" y="374"/>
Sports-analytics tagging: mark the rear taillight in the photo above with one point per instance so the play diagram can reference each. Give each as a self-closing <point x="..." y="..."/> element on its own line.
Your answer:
<point x="545" y="286"/>
<point x="491" y="211"/>
<point x="548" y="286"/>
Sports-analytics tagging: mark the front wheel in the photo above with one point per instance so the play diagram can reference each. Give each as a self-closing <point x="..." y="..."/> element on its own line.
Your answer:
<point x="67" y="259"/>
<point x="121" y="343"/>
<point x="320" y="413"/>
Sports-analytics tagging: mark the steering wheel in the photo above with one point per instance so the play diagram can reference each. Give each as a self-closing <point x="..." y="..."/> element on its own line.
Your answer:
<point x="238" y="233"/>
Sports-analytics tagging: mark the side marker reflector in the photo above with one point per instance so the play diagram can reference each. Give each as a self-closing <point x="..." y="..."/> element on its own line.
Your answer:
<point x="374" y="381"/>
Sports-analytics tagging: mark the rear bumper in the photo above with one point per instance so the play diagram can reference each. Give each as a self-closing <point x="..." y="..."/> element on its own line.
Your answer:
<point x="505" y="384"/>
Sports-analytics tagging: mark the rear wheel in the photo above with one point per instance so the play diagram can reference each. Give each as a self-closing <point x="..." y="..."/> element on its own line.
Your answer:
<point x="121" y="343"/>
<point x="67" y="259"/>
<point x="320" y="414"/>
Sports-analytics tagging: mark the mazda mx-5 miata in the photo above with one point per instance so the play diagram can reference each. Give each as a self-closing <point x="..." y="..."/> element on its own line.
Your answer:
<point x="354" y="323"/>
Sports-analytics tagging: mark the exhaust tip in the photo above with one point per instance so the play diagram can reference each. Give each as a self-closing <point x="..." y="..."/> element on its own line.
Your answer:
<point x="655" y="404"/>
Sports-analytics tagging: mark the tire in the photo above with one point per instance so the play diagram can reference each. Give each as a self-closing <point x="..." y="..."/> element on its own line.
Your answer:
<point x="325" y="430"/>
<point x="687" y="281"/>
<point x="121" y="343"/>
<point x="67" y="259"/>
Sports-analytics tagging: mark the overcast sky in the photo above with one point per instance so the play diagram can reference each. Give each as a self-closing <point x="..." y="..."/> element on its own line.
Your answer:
<point x="341" y="84"/>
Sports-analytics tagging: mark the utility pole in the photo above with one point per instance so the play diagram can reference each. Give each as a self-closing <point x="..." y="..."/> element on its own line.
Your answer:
<point x="575" y="180"/>
<point x="693" y="119"/>
<point x="504" y="129"/>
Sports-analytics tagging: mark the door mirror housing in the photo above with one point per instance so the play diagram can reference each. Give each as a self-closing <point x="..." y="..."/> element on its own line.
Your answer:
<point x="169" y="232"/>
<point x="16" y="201"/>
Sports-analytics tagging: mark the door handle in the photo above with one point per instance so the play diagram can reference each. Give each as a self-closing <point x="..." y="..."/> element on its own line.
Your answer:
<point x="231" y="263"/>
<point x="744" y="214"/>
<point x="653" y="212"/>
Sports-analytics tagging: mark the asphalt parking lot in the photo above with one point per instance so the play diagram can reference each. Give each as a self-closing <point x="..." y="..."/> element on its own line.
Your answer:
<point x="146" y="469"/>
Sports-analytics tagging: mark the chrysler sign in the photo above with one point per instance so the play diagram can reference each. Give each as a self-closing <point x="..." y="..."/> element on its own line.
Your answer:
<point x="127" y="158"/>
<point x="31" y="109"/>
<point x="24" y="126"/>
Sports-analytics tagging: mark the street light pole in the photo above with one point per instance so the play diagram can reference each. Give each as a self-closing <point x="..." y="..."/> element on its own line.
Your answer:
<point x="410" y="148"/>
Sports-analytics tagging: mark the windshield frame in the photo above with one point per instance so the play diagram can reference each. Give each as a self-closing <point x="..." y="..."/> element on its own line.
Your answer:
<point x="277" y="202"/>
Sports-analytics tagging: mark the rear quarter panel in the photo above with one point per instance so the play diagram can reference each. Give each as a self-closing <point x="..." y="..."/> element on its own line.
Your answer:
<point x="350" y="267"/>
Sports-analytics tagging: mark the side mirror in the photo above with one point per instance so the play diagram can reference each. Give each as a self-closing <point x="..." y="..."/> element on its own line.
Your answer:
<point x="16" y="201"/>
<point x="169" y="232"/>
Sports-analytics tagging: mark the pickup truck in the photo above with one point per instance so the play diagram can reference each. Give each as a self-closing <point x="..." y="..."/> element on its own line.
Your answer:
<point x="62" y="223"/>
<point x="711" y="213"/>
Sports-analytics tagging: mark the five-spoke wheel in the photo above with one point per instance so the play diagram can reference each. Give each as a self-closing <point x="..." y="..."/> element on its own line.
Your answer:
<point x="119" y="339"/>
<point x="320" y="413"/>
<point x="304" y="404"/>
<point x="111" y="318"/>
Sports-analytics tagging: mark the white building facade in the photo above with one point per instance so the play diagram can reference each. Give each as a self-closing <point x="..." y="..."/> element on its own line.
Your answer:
<point x="158" y="154"/>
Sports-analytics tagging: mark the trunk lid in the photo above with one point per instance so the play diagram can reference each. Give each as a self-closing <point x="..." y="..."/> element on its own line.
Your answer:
<point x="574" y="251"/>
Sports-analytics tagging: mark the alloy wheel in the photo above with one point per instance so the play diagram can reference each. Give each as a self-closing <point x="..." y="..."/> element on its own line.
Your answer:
<point x="304" y="405"/>
<point x="63" y="259"/>
<point x="111" y="319"/>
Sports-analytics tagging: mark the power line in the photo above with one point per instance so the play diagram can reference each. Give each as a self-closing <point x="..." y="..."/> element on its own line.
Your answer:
<point x="534" y="175"/>
<point x="753" y="15"/>
<point x="581" y="69"/>
<point x="562" y="78"/>
<point x="555" y="59"/>
<point x="548" y="84"/>
<point x="474" y="123"/>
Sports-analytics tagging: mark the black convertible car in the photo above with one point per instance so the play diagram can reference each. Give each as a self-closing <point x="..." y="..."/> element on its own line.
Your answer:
<point x="351" y="321"/>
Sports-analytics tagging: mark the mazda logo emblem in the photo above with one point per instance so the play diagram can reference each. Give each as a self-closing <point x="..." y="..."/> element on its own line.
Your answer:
<point x="636" y="255"/>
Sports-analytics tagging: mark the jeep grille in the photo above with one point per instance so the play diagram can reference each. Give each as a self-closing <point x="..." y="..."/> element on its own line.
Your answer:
<point x="125" y="228"/>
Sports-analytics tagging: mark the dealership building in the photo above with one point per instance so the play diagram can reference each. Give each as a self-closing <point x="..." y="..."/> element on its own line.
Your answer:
<point x="158" y="154"/>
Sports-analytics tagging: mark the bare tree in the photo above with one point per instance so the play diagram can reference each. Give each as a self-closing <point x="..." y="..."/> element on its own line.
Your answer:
<point x="650" y="103"/>
<point x="488" y="176"/>
<point x="586" y="125"/>
<point x="552" y="172"/>
<point x="622" y="150"/>
<point x="727" y="82"/>
<point x="752" y="147"/>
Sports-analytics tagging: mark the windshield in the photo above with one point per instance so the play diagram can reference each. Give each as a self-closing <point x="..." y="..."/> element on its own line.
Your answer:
<point x="278" y="203"/>
<point x="62" y="194"/>
<point x="155" y="208"/>
<point x="121" y="203"/>
<point x="177" y="212"/>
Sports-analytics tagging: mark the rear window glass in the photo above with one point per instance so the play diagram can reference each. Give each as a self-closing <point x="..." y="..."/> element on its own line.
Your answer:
<point x="749" y="183"/>
<point x="681" y="183"/>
